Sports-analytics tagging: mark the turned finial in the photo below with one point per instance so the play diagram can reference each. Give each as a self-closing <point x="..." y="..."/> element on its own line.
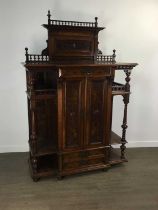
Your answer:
<point x="26" y="50"/>
<point x="49" y="15"/>
<point x="114" y="55"/>
<point x="26" y="54"/>
<point x="96" y="21"/>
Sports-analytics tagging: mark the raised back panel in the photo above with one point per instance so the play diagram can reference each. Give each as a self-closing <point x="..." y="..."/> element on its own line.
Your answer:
<point x="66" y="44"/>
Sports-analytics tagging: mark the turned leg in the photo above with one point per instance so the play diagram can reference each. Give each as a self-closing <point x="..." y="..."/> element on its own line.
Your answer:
<point x="34" y="166"/>
<point x="60" y="177"/>
<point x="36" y="179"/>
<point x="124" y="125"/>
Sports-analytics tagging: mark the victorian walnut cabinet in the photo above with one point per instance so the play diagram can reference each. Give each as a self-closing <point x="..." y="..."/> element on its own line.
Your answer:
<point x="70" y="90"/>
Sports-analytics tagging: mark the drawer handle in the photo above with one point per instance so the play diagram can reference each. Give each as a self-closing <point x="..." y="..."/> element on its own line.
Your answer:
<point x="74" y="45"/>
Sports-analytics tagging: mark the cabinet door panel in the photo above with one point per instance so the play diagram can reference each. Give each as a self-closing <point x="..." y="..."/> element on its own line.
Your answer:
<point x="97" y="99"/>
<point x="73" y="100"/>
<point x="46" y="126"/>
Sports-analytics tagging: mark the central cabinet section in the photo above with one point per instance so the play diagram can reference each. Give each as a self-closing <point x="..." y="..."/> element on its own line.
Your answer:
<point x="83" y="117"/>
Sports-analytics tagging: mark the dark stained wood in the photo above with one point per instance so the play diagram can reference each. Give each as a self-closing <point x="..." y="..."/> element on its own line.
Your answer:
<point x="97" y="88"/>
<point x="73" y="106"/>
<point x="70" y="90"/>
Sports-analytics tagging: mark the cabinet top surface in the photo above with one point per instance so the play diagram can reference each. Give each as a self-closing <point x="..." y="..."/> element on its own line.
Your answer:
<point x="113" y="65"/>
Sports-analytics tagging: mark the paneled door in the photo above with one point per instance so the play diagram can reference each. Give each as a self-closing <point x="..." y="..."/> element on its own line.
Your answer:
<point x="72" y="108"/>
<point x="97" y="105"/>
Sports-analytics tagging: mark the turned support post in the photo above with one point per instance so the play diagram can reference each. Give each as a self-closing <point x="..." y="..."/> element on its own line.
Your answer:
<point x="26" y="54"/>
<point x="96" y="22"/>
<point x="33" y="127"/>
<point x="32" y="109"/>
<point x="33" y="123"/>
<point x="124" y="124"/>
<point x="114" y="56"/>
<point x="49" y="16"/>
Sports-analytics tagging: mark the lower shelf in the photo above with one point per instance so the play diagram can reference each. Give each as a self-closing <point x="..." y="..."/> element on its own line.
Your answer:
<point x="85" y="169"/>
<point x="119" y="89"/>
<point x="46" y="166"/>
<point x="115" y="157"/>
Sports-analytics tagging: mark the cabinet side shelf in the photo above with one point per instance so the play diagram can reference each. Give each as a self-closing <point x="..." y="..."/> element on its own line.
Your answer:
<point x="40" y="94"/>
<point x="43" y="150"/>
<point x="119" y="89"/>
<point x="43" y="171"/>
<point x="115" y="157"/>
<point x="115" y="139"/>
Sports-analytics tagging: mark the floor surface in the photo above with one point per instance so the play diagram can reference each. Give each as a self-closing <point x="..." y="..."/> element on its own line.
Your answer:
<point x="130" y="186"/>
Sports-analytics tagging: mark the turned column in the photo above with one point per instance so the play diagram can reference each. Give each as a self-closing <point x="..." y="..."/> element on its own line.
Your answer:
<point x="124" y="124"/>
<point x="33" y="123"/>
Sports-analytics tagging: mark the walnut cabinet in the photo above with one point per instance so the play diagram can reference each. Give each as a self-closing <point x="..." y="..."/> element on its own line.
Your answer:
<point x="70" y="90"/>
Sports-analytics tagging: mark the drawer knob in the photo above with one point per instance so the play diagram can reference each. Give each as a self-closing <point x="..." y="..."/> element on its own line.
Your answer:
<point x="74" y="45"/>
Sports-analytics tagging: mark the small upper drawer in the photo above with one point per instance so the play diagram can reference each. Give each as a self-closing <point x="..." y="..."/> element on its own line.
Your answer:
<point x="84" y="71"/>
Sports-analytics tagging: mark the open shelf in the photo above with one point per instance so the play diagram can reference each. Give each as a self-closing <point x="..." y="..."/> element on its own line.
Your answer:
<point x="46" y="166"/>
<point x="45" y="84"/>
<point x="42" y="94"/>
<point x="46" y="151"/>
<point x="118" y="89"/>
<point x="46" y="91"/>
<point x="46" y="147"/>
<point x="115" y="139"/>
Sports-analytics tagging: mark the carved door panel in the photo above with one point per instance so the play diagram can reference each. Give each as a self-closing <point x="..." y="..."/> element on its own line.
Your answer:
<point x="46" y="126"/>
<point x="72" y="111"/>
<point x="97" y="111"/>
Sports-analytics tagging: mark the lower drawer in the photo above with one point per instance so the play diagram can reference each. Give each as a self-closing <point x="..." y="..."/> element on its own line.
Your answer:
<point x="74" y="156"/>
<point x="95" y="152"/>
<point x="77" y="156"/>
<point x="84" y="162"/>
<point x="97" y="161"/>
